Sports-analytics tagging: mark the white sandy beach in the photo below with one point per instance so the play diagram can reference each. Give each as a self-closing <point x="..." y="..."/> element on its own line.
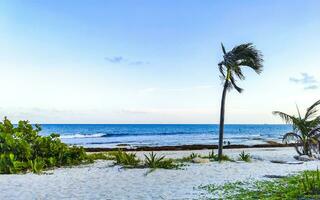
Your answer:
<point x="101" y="180"/>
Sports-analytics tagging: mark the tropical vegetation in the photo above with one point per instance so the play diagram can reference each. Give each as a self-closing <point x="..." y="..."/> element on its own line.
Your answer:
<point x="305" y="132"/>
<point x="153" y="161"/>
<point x="244" y="55"/>
<point x="305" y="185"/>
<point x="126" y="159"/>
<point x="246" y="157"/>
<point x="22" y="149"/>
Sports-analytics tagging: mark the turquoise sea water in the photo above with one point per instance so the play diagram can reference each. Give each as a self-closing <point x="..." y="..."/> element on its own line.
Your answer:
<point x="111" y="135"/>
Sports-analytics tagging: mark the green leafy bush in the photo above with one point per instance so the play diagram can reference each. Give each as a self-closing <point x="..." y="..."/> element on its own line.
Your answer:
<point x="214" y="157"/>
<point x="101" y="156"/>
<point x="187" y="158"/>
<point x="245" y="157"/>
<point x="126" y="159"/>
<point x="22" y="149"/>
<point x="153" y="161"/>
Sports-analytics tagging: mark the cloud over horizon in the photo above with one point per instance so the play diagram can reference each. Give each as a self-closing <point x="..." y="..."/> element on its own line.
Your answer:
<point x="121" y="59"/>
<point x="115" y="59"/>
<point x="308" y="81"/>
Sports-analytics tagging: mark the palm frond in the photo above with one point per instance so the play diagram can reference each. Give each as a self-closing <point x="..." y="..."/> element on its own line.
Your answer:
<point x="298" y="111"/>
<point x="247" y="55"/>
<point x="315" y="133"/>
<point x="223" y="49"/>
<point x="297" y="139"/>
<point x="238" y="72"/>
<point x="222" y="70"/>
<point x="312" y="110"/>
<point x="241" y="55"/>
<point x="235" y="85"/>
<point x="313" y="123"/>
<point x="288" y="137"/>
<point x="306" y="131"/>
<point x="286" y="117"/>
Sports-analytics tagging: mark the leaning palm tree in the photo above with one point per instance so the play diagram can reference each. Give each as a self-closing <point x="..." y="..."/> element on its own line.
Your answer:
<point x="244" y="55"/>
<point x="306" y="130"/>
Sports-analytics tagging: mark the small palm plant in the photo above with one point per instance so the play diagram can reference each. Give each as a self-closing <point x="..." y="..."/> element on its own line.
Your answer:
<point x="246" y="157"/>
<point x="244" y="55"/>
<point x="306" y="130"/>
<point x="153" y="161"/>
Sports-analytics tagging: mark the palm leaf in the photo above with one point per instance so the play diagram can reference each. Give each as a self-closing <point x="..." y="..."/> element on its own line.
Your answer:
<point x="221" y="69"/>
<point x="291" y="136"/>
<point x="223" y="49"/>
<point x="241" y="55"/>
<point x="238" y="72"/>
<point x="286" y="117"/>
<point x="311" y="111"/>
<point x="314" y="132"/>
<point x="235" y="85"/>
<point x="298" y="111"/>
<point x="247" y="55"/>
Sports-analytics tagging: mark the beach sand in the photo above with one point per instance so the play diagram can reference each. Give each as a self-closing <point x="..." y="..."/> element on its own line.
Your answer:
<point x="102" y="180"/>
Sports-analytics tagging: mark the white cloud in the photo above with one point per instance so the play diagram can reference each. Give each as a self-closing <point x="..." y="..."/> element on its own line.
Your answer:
<point x="308" y="81"/>
<point x="121" y="59"/>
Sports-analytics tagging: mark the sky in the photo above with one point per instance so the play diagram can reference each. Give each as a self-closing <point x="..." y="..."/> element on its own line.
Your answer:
<point x="120" y="61"/>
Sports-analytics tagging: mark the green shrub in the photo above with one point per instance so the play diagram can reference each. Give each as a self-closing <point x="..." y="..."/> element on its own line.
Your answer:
<point x="225" y="158"/>
<point x="8" y="165"/>
<point x="188" y="158"/>
<point x="245" y="157"/>
<point x="126" y="159"/>
<point x="22" y="149"/>
<point x="311" y="183"/>
<point x="153" y="161"/>
<point x="214" y="157"/>
<point x="101" y="156"/>
<point x="193" y="155"/>
<point x="36" y="165"/>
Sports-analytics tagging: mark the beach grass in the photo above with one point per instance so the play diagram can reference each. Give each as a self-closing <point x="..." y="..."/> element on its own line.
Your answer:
<point x="188" y="158"/>
<point x="214" y="157"/>
<point x="305" y="185"/>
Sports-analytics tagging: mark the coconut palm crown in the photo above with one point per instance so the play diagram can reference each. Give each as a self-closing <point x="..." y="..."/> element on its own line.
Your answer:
<point x="244" y="55"/>
<point x="305" y="129"/>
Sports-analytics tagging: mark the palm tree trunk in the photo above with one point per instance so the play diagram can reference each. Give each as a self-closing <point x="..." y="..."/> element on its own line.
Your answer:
<point x="221" y="128"/>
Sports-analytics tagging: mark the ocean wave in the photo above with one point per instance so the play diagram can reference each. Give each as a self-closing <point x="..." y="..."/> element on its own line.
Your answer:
<point x="97" y="135"/>
<point x="100" y="135"/>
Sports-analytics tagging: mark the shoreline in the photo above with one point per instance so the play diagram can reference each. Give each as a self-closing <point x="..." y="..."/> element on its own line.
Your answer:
<point x="269" y="144"/>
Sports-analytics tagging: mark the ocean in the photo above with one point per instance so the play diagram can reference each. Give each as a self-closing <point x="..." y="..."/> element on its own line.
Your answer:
<point x="133" y="135"/>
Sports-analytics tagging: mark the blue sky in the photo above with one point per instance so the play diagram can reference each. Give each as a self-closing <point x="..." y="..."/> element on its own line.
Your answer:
<point x="153" y="61"/>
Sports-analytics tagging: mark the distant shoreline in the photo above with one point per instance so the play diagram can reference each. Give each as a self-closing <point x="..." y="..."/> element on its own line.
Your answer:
<point x="270" y="144"/>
